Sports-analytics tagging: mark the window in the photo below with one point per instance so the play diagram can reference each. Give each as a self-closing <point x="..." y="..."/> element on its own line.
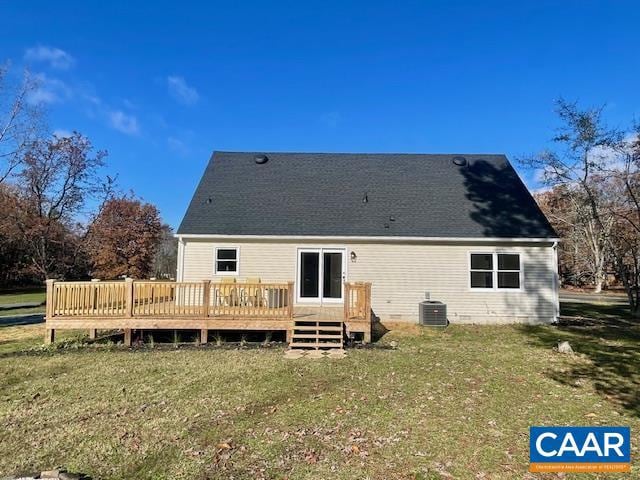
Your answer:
<point x="481" y="270"/>
<point x="495" y="270"/>
<point x="508" y="270"/>
<point x="226" y="261"/>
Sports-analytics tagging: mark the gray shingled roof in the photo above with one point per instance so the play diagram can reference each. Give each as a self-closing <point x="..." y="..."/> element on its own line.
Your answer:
<point x="322" y="194"/>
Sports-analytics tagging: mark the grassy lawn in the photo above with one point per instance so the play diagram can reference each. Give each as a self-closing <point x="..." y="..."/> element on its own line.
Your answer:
<point x="22" y="296"/>
<point x="454" y="403"/>
<point x="32" y="295"/>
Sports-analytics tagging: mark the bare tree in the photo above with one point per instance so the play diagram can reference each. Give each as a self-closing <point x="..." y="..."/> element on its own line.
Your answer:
<point x="585" y="146"/>
<point x="599" y="169"/>
<point x="57" y="178"/>
<point x="623" y="193"/>
<point x="20" y="120"/>
<point x="166" y="258"/>
<point x="582" y="259"/>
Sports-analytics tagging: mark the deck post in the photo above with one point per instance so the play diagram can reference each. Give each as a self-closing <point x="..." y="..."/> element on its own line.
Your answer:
<point x="367" y="312"/>
<point x="49" y="307"/>
<point x="347" y="297"/>
<point x="290" y="299"/>
<point x="206" y="304"/>
<point x="49" y="336"/>
<point x="206" y="297"/>
<point x="50" y="333"/>
<point x="128" y="282"/>
<point x="289" y="333"/>
<point x="93" y="333"/>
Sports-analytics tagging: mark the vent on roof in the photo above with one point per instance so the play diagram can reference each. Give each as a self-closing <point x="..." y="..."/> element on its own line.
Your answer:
<point x="460" y="161"/>
<point x="261" y="159"/>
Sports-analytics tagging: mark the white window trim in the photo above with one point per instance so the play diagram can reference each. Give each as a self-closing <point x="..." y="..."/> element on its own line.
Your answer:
<point x="320" y="300"/>
<point x="495" y="272"/>
<point x="215" y="262"/>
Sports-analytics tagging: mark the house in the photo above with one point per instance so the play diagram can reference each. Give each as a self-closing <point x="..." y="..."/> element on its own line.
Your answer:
<point x="460" y="229"/>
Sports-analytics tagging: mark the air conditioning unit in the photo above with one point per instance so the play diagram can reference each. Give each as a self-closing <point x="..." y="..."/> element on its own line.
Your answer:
<point x="433" y="314"/>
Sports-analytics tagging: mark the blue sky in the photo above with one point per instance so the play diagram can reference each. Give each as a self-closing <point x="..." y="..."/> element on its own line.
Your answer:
<point x="161" y="85"/>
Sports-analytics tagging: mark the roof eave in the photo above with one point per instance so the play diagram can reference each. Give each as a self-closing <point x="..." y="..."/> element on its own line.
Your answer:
<point x="389" y="238"/>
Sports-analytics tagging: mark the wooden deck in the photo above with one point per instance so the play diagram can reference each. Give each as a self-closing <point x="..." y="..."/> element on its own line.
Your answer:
<point x="145" y="305"/>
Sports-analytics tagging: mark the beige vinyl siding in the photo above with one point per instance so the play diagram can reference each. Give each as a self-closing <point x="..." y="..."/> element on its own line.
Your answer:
<point x="401" y="273"/>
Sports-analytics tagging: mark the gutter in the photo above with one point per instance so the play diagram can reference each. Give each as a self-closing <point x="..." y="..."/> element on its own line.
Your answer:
<point x="344" y="238"/>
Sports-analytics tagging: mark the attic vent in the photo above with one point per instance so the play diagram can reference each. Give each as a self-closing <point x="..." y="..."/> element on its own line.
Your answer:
<point x="460" y="161"/>
<point x="260" y="159"/>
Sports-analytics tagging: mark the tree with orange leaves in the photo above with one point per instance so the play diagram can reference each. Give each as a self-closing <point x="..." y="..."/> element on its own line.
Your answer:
<point x="123" y="239"/>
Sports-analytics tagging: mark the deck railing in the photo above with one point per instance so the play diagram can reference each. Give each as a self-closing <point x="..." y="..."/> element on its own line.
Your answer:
<point x="87" y="299"/>
<point x="357" y="304"/>
<point x="205" y="305"/>
<point x="141" y="299"/>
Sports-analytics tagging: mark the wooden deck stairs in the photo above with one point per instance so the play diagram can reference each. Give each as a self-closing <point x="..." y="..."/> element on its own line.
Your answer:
<point x="317" y="334"/>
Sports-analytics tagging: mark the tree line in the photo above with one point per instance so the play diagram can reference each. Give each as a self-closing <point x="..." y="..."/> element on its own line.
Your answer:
<point x="61" y="216"/>
<point x="592" y="199"/>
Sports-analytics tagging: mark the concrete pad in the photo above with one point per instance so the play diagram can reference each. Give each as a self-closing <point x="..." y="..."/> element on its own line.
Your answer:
<point x="315" y="354"/>
<point x="294" y="353"/>
<point x="336" y="353"/>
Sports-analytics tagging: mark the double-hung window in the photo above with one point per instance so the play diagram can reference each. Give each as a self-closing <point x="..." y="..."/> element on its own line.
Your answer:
<point x="226" y="262"/>
<point x="495" y="271"/>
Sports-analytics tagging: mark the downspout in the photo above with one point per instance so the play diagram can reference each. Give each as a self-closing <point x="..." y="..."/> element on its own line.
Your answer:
<point x="556" y="284"/>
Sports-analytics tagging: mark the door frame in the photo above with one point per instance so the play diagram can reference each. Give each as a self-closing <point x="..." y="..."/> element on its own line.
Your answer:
<point x="319" y="300"/>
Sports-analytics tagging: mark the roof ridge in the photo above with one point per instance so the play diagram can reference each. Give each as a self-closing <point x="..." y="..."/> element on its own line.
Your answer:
<point x="448" y="154"/>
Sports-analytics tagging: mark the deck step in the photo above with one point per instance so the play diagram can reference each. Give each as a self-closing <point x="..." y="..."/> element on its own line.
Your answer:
<point x="315" y="323"/>
<point x="313" y="328"/>
<point x="317" y="334"/>
<point x="335" y="336"/>
<point x="315" y="345"/>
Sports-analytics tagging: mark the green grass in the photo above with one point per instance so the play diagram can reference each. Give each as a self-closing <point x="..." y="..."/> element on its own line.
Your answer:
<point x="454" y="403"/>
<point x="22" y="296"/>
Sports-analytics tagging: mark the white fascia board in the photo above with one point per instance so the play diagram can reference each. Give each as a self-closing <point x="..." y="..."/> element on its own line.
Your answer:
<point x="196" y="236"/>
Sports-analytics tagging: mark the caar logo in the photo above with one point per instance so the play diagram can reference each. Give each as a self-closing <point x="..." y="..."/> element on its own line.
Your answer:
<point x="580" y="449"/>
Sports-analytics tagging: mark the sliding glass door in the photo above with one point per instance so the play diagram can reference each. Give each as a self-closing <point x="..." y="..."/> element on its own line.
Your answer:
<point x="321" y="273"/>
<point x="309" y="283"/>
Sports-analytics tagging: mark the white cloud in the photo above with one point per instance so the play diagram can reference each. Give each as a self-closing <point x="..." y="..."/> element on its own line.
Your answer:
<point x="129" y="104"/>
<point x="611" y="159"/>
<point x="123" y="122"/>
<point x="539" y="175"/>
<point x="539" y="190"/>
<point x="41" y="96"/>
<point x="49" y="90"/>
<point x="55" y="57"/>
<point x="182" y="92"/>
<point x="62" y="133"/>
<point x="178" y="146"/>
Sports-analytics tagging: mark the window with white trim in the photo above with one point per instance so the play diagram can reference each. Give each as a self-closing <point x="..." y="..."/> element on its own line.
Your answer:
<point x="495" y="271"/>
<point x="508" y="270"/>
<point x="226" y="261"/>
